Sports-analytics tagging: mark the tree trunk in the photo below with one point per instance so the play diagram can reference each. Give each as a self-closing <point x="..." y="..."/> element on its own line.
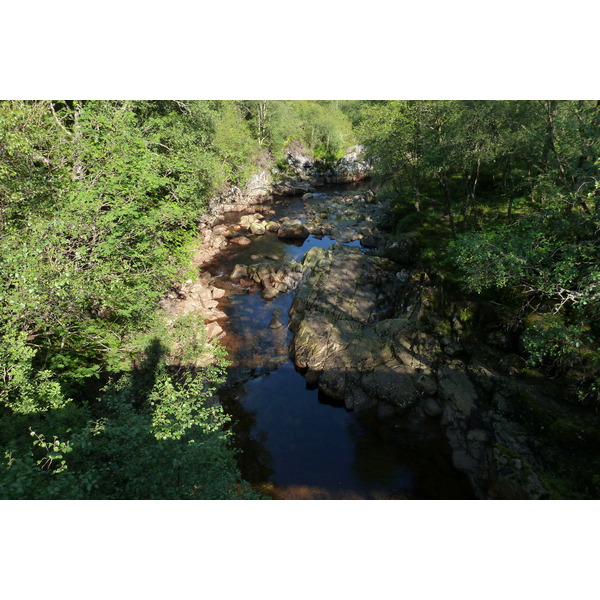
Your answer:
<point x="550" y="145"/>
<point x="476" y="180"/>
<point x="443" y="176"/>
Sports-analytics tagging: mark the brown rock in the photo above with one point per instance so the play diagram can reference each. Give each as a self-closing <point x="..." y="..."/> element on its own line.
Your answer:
<point x="275" y="323"/>
<point x="239" y="271"/>
<point x="269" y="293"/>
<point x="241" y="240"/>
<point x="213" y="330"/>
<point x="292" y="232"/>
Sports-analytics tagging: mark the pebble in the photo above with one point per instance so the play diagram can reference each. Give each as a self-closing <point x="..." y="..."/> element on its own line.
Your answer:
<point x="275" y="323"/>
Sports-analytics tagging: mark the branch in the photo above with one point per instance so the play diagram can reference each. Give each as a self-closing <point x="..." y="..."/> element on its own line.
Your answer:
<point x="58" y="120"/>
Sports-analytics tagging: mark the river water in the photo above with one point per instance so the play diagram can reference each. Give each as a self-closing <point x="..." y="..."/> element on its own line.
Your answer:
<point x="294" y="441"/>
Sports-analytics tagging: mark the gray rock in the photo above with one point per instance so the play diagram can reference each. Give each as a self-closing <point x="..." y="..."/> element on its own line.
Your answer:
<point x="456" y="388"/>
<point x="431" y="407"/>
<point x="368" y="241"/>
<point x="355" y="399"/>
<point x="516" y="468"/>
<point x="426" y="384"/>
<point x="275" y="323"/>
<point x="312" y="377"/>
<point x="257" y="229"/>
<point x="403" y="276"/>
<point x="392" y="383"/>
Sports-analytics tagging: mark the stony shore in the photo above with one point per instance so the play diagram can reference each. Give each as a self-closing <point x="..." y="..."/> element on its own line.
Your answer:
<point x="370" y="329"/>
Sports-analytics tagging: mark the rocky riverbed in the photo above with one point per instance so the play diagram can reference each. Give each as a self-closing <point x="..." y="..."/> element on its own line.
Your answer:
<point x="369" y="328"/>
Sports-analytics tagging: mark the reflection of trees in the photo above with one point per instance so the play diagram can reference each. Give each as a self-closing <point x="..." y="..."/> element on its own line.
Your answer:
<point x="403" y="456"/>
<point x="254" y="459"/>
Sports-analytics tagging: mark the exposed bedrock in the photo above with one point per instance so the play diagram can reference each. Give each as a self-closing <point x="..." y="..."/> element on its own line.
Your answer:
<point x="303" y="173"/>
<point x="365" y="334"/>
<point x="342" y="338"/>
<point x="374" y="332"/>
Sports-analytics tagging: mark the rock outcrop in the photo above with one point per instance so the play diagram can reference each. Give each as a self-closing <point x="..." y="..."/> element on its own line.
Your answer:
<point x="365" y="333"/>
<point x="340" y="338"/>
<point x="369" y="330"/>
<point x="304" y="174"/>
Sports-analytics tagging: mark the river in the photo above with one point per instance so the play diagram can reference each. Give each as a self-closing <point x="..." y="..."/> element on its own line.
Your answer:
<point x="294" y="441"/>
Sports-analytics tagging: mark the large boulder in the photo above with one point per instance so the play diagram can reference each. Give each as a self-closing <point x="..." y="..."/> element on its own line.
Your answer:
<point x="352" y="167"/>
<point x="347" y="351"/>
<point x="456" y="388"/>
<point x="392" y="382"/>
<point x="257" y="229"/>
<point x="292" y="230"/>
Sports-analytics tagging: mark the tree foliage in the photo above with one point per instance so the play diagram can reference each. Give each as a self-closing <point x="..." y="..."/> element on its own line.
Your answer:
<point x="507" y="193"/>
<point x="99" y="204"/>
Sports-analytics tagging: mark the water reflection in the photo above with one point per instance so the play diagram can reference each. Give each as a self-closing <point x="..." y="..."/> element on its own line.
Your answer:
<point x="293" y="436"/>
<point x="296" y="442"/>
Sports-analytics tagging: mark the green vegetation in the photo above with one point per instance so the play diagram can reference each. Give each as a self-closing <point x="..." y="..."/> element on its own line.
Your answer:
<point x="99" y="204"/>
<point x="504" y="196"/>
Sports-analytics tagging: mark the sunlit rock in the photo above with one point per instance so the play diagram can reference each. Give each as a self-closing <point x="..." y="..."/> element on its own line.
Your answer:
<point x="239" y="271"/>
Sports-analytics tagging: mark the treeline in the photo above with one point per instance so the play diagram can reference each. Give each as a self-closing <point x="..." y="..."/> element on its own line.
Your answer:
<point x="99" y="204"/>
<point x="505" y="197"/>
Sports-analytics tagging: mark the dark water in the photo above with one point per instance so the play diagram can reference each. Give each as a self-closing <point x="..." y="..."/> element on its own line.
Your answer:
<point x="296" y="442"/>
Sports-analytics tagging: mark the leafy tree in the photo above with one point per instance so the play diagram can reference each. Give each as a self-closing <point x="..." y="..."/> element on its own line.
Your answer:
<point x="234" y="143"/>
<point x="158" y="436"/>
<point x="326" y="129"/>
<point x="523" y="175"/>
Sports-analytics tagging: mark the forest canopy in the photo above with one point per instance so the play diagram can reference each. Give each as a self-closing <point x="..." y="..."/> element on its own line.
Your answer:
<point x="99" y="207"/>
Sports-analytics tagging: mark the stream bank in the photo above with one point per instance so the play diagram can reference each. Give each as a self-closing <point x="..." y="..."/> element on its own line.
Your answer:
<point x="297" y="440"/>
<point x="346" y="381"/>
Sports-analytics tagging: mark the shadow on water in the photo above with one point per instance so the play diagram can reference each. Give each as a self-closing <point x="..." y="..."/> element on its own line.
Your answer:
<point x="294" y="441"/>
<point x="294" y="437"/>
